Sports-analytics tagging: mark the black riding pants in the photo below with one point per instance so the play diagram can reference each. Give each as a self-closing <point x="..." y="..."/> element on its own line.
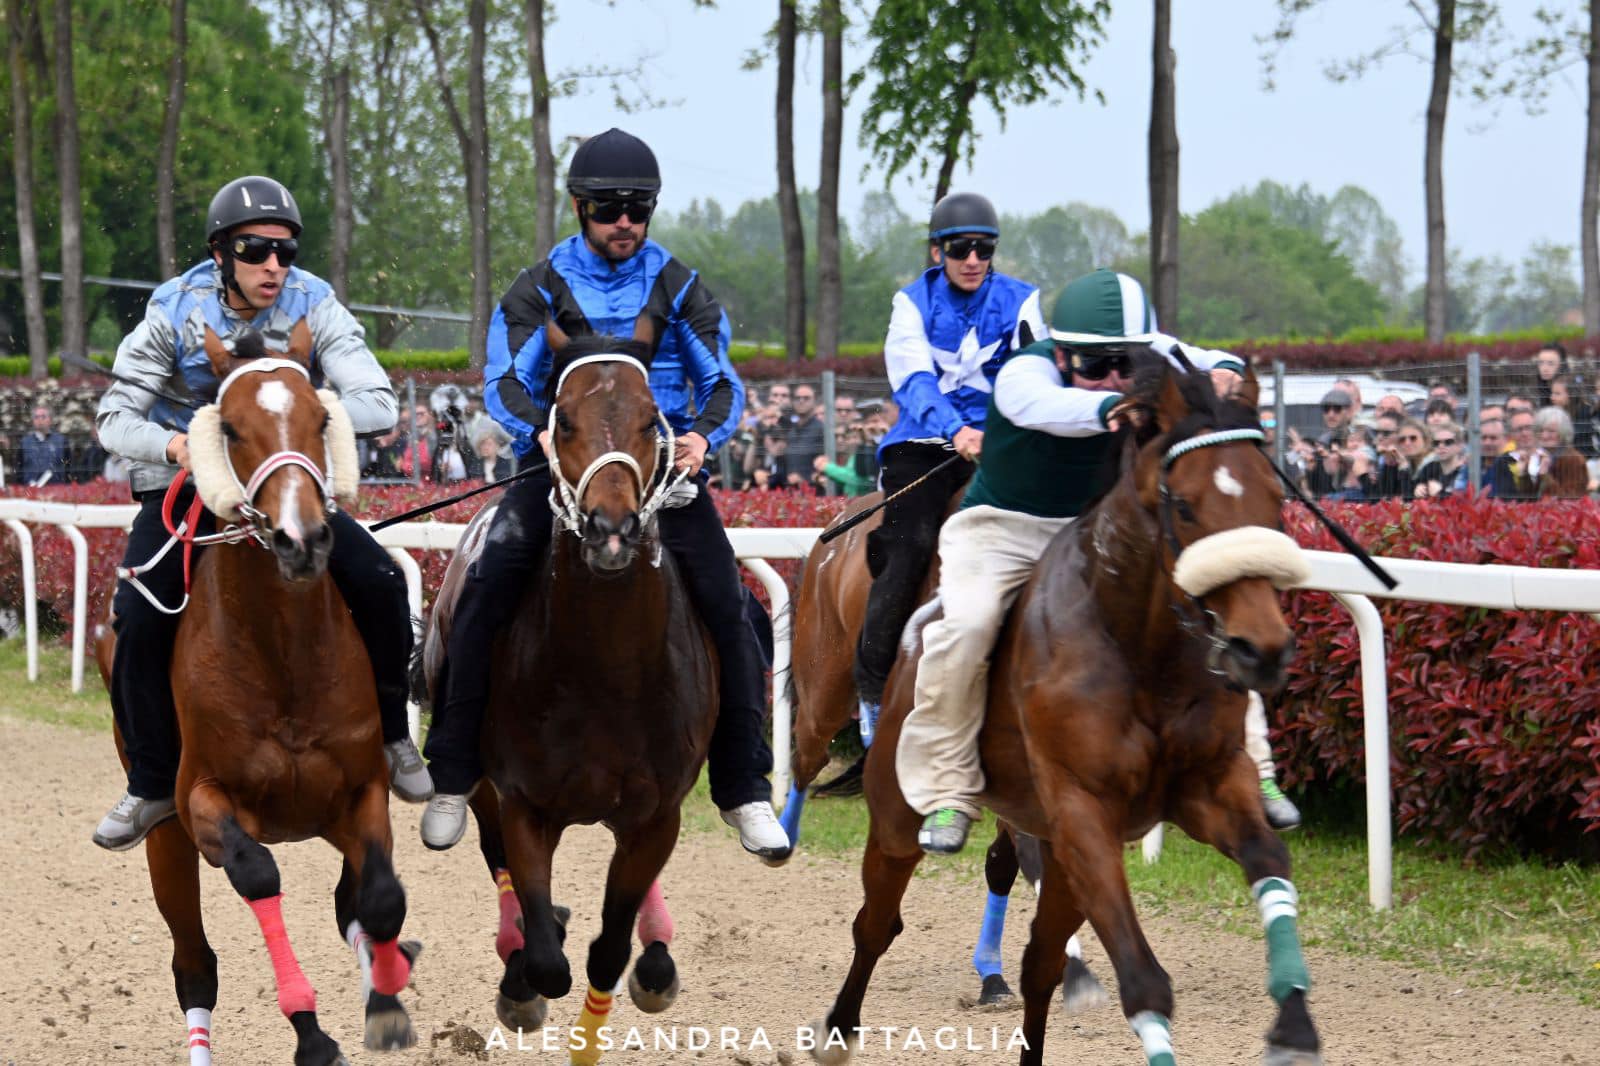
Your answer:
<point x="370" y="581"/>
<point x="899" y="553"/>
<point x="519" y="539"/>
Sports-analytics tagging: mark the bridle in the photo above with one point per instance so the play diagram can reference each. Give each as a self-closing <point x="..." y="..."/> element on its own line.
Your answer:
<point x="566" y="499"/>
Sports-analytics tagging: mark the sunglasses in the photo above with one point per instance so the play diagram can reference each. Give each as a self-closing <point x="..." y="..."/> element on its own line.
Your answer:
<point x="958" y="248"/>
<point x="1100" y="367"/>
<point x="1410" y="438"/>
<point x="1446" y="442"/>
<point x="606" y="212"/>
<point x="1384" y="432"/>
<point x="253" y="248"/>
<point x="1327" y="407"/>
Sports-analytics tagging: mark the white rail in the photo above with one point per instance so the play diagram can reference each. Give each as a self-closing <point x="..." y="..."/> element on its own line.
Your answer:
<point x="1495" y="587"/>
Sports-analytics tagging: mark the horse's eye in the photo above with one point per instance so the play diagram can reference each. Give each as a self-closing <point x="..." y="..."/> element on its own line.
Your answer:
<point x="325" y="420"/>
<point x="562" y="422"/>
<point x="229" y="432"/>
<point x="1185" y="512"/>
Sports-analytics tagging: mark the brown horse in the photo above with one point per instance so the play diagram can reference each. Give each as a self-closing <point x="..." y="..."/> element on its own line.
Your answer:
<point x="829" y="612"/>
<point x="276" y="703"/>
<point x="1116" y="701"/>
<point x="601" y="701"/>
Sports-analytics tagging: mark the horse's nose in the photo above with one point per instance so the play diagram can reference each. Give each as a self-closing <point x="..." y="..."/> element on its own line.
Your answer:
<point x="302" y="556"/>
<point x="610" y="543"/>
<point x="1256" y="668"/>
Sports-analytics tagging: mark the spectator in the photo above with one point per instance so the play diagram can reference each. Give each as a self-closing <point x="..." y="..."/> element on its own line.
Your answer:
<point x="1491" y="412"/>
<point x="1518" y="402"/>
<point x="805" y="430"/>
<point x="44" y="451"/>
<point x="778" y="395"/>
<point x="845" y="478"/>
<point x="773" y="461"/>
<point x="1565" y="395"/>
<point x="844" y="411"/>
<point x="1549" y="362"/>
<point x="1439" y="412"/>
<point x="1441" y="391"/>
<point x="89" y="461"/>
<point x="382" y="456"/>
<point x="1516" y="472"/>
<point x="1566" y="475"/>
<point x="1492" y="444"/>
<point x="753" y="457"/>
<point x="1392" y="404"/>
<point x="418" y="455"/>
<point x="1338" y="408"/>
<point x="1445" y="474"/>
<point x="1351" y="388"/>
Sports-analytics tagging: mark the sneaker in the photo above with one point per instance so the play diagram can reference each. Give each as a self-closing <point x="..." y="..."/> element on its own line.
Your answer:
<point x="131" y="820"/>
<point x="445" y="820"/>
<point x="1281" y="812"/>
<point x="759" y="832"/>
<point x="868" y="722"/>
<point x="944" y="832"/>
<point x="408" y="776"/>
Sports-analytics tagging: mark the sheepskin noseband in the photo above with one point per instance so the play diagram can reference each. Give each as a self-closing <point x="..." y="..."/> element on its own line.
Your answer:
<point x="221" y="489"/>
<point x="1249" y="551"/>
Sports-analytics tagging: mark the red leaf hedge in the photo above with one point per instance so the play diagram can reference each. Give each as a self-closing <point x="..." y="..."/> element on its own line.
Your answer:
<point x="1495" y="715"/>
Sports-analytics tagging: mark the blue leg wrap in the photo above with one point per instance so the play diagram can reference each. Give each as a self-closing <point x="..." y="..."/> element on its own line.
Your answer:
<point x="986" y="956"/>
<point x="790" y="818"/>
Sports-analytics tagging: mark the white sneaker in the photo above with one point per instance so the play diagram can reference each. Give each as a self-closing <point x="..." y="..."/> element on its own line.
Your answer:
<point x="131" y="820"/>
<point x="444" y="822"/>
<point x="408" y="775"/>
<point x="760" y="832"/>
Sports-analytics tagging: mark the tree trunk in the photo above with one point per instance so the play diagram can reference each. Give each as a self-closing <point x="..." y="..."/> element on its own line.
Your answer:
<point x="794" y="236"/>
<point x="830" y="286"/>
<point x="1163" y="172"/>
<point x="337" y="134"/>
<point x="960" y="120"/>
<point x="167" y="159"/>
<point x="544" y="157"/>
<point x="1591" y="185"/>
<point x="72" y="320"/>
<point x="1438" y="98"/>
<point x="22" y="171"/>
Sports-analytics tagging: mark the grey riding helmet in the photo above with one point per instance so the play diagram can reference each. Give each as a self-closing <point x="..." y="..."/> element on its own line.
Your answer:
<point x="963" y="212"/>
<point x="251" y="199"/>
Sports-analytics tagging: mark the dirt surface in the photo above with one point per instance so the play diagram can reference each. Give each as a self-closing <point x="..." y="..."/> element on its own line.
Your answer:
<point x="86" y="977"/>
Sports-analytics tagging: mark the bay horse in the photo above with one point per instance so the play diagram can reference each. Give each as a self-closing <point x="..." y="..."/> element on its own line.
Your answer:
<point x="1116" y="701"/>
<point x="276" y="703"/>
<point x="829" y="611"/>
<point x="602" y="697"/>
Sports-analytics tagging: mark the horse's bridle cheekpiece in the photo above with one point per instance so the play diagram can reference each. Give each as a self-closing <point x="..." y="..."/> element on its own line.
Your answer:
<point x="566" y="499"/>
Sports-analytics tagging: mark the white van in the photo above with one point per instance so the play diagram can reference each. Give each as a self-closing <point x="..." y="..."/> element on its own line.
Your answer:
<point x="1303" y="395"/>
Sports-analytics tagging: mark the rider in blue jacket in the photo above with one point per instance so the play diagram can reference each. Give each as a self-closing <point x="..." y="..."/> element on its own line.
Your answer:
<point x="606" y="279"/>
<point x="950" y="331"/>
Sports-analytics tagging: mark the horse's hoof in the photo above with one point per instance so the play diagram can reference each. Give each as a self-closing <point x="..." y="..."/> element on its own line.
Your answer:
<point x="995" y="991"/>
<point x="1081" y="990"/>
<point x="657" y="989"/>
<point x="830" y="1049"/>
<point x="389" y="1030"/>
<point x="521" y="1014"/>
<point x="562" y="915"/>
<point x="1288" y="1056"/>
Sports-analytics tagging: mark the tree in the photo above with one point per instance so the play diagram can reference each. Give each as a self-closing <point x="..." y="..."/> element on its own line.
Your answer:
<point x="1106" y="233"/>
<point x="1049" y="249"/>
<point x="323" y="33"/>
<point x="1443" y="23"/>
<point x="1163" y="166"/>
<point x="22" y="169"/>
<point x="931" y="59"/>
<point x="69" y="175"/>
<point x="544" y="157"/>
<point x="167" y="157"/>
<point x="830" y="275"/>
<point x="794" y="235"/>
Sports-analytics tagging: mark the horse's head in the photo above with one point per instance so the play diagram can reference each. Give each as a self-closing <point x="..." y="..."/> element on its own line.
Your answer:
<point x="273" y="453"/>
<point x="606" y="430"/>
<point x="1217" y="502"/>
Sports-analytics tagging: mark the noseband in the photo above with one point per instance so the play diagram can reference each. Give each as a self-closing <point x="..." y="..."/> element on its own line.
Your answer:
<point x="566" y="499"/>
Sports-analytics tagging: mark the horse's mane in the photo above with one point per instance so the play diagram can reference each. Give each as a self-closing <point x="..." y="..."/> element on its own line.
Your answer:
<point x="593" y="344"/>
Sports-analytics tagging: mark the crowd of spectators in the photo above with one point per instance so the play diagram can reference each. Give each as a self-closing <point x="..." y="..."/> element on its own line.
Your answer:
<point x="782" y="441"/>
<point x="43" y="455"/>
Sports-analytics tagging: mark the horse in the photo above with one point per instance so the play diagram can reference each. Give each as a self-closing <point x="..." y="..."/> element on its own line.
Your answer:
<point x="828" y="613"/>
<point x="1116" y="701"/>
<point x="276" y="702"/>
<point x="602" y="697"/>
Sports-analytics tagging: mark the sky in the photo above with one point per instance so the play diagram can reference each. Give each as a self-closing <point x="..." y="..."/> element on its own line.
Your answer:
<point x="1510" y="178"/>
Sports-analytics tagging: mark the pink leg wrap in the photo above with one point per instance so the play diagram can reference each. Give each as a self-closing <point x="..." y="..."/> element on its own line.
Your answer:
<point x="508" y="938"/>
<point x="295" y="993"/>
<point x="654" y="921"/>
<point x="390" y="968"/>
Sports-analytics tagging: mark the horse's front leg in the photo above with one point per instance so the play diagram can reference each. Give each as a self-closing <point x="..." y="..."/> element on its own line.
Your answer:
<point x="539" y="970"/>
<point x="254" y="875"/>
<point x="370" y="907"/>
<point x="175" y="879"/>
<point x="1230" y="819"/>
<point x="637" y="861"/>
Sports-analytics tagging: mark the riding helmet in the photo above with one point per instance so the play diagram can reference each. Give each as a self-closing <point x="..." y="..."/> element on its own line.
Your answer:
<point x="1103" y="308"/>
<point x="251" y="199"/>
<point x="614" y="165"/>
<point x="963" y="212"/>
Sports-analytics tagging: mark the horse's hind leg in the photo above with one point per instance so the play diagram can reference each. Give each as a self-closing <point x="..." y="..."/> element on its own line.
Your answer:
<point x="1081" y="990"/>
<point x="1231" y="820"/>
<point x="653" y="985"/>
<point x="175" y="879"/>
<point x="824" y="693"/>
<point x="1042" y="961"/>
<point x="638" y="859"/>
<point x="1000" y="872"/>
<point x="884" y="878"/>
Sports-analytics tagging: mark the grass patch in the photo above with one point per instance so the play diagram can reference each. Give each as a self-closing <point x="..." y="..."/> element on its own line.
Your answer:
<point x="51" y="699"/>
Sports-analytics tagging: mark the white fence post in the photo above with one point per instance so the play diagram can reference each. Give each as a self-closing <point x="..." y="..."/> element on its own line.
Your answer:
<point x="1375" y="729"/>
<point x="30" y="595"/>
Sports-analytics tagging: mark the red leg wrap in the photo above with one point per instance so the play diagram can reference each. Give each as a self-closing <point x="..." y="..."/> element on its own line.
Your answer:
<point x="390" y="968"/>
<point x="295" y="993"/>
<point x="654" y="921"/>
<point x="508" y="938"/>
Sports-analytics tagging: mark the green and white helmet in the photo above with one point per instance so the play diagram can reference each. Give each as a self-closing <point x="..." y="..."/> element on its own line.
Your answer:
<point x="1103" y="308"/>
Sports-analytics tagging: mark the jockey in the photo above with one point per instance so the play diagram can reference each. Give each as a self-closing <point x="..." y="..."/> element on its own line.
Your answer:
<point x="248" y="282"/>
<point x="606" y="279"/>
<point x="950" y="331"/>
<point x="1049" y="434"/>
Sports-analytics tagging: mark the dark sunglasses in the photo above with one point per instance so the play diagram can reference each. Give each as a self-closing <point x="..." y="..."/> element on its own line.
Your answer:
<point x="253" y="248"/>
<point x="1445" y="442"/>
<point x="958" y="248"/>
<point x="1332" y="407"/>
<point x="1384" y="432"/>
<point x="606" y="212"/>
<point x="1098" y="367"/>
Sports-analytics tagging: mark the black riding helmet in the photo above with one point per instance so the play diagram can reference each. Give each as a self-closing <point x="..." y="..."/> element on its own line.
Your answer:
<point x="243" y="200"/>
<point x="963" y="212"/>
<point x="614" y="165"/>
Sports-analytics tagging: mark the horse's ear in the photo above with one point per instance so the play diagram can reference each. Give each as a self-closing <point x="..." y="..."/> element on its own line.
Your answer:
<point x="555" y="336"/>
<point x="300" y="344"/>
<point x="222" y="361"/>
<point x="1249" y="390"/>
<point x="1170" y="406"/>
<point x="644" y="330"/>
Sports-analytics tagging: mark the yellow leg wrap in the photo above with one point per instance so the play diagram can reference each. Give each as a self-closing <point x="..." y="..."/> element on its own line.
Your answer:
<point x="585" y="1037"/>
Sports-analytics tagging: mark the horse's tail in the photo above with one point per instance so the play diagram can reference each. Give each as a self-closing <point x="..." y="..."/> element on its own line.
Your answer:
<point x="416" y="670"/>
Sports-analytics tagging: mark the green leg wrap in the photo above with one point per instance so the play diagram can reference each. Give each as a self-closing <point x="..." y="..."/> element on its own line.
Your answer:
<point x="1286" y="967"/>
<point x="1155" y="1033"/>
